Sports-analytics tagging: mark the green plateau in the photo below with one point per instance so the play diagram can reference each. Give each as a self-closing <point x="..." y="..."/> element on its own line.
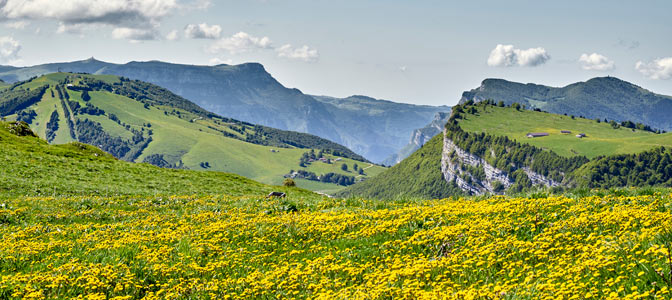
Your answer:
<point x="608" y="155"/>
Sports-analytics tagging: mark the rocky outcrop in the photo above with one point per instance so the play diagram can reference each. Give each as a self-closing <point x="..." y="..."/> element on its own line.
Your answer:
<point x="476" y="176"/>
<point x="419" y="137"/>
<point x="538" y="179"/>
<point x="455" y="165"/>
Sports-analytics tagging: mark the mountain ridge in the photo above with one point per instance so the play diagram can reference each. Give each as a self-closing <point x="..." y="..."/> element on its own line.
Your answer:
<point x="247" y="92"/>
<point x="600" y="97"/>
<point x="484" y="149"/>
<point x="141" y="122"/>
<point x="419" y="137"/>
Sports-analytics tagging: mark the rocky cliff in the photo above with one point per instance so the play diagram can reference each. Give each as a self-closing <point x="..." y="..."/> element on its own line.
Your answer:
<point x="419" y="137"/>
<point x="475" y="176"/>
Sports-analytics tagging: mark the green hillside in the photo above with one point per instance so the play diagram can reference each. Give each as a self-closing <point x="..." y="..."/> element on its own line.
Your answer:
<point x="140" y="122"/>
<point x="374" y="128"/>
<point x="601" y="138"/>
<point x="32" y="167"/>
<point x="610" y="155"/>
<point x="418" y="176"/>
<point x="600" y="97"/>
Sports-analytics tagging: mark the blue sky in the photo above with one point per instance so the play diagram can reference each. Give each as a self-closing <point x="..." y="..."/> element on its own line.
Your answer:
<point x="424" y="52"/>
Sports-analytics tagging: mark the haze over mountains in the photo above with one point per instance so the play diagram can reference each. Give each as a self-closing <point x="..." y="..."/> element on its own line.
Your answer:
<point x="141" y="122"/>
<point x="373" y="128"/>
<point x="419" y="137"/>
<point x="602" y="97"/>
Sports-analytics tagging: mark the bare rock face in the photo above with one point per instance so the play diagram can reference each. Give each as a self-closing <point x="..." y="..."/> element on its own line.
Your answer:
<point x="538" y="179"/>
<point x="453" y="161"/>
<point x="20" y="128"/>
<point x="419" y="137"/>
<point x="456" y="164"/>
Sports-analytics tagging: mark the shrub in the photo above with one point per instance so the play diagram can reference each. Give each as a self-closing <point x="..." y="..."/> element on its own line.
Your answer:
<point x="288" y="182"/>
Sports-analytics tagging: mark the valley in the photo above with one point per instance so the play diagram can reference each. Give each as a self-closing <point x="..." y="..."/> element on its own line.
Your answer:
<point x="373" y="150"/>
<point x="372" y="128"/>
<point x="76" y="221"/>
<point x="484" y="149"/>
<point x="139" y="123"/>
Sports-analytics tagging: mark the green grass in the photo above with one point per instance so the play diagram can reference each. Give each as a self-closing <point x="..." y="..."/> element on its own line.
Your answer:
<point x="194" y="143"/>
<point x="187" y="137"/>
<point x="601" y="138"/>
<point x="418" y="176"/>
<point x="228" y="247"/>
<point x="31" y="167"/>
<point x="317" y="186"/>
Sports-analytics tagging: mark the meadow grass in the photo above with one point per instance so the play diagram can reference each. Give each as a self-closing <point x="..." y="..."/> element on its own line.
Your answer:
<point x="31" y="167"/>
<point x="248" y="247"/>
<point x="601" y="138"/>
<point x="186" y="137"/>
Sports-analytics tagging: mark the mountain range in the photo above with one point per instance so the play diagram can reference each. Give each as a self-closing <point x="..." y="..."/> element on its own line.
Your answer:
<point x="419" y="137"/>
<point x="486" y="148"/>
<point x="601" y="97"/>
<point x="372" y="128"/>
<point x="141" y="122"/>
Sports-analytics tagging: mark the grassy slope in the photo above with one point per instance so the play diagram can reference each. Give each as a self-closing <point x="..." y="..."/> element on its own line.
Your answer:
<point x="419" y="176"/>
<point x="195" y="143"/>
<point x="601" y="138"/>
<point x="29" y="166"/>
<point x="191" y="142"/>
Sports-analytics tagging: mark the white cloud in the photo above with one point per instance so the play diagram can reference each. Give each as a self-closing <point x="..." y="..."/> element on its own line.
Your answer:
<point x="596" y="62"/>
<point x="73" y="28"/>
<point x="134" y="34"/>
<point x="660" y="68"/>
<point x="74" y="16"/>
<point x="508" y="56"/>
<point x="403" y="68"/>
<point x="17" y="24"/>
<point x="199" y="4"/>
<point x="173" y="35"/>
<point x="202" y="31"/>
<point x="304" y="53"/>
<point x="9" y="49"/>
<point x="242" y="42"/>
<point x="114" y="12"/>
<point x="239" y="43"/>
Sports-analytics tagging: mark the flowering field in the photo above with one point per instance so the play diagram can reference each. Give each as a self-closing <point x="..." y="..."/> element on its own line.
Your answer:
<point x="238" y="247"/>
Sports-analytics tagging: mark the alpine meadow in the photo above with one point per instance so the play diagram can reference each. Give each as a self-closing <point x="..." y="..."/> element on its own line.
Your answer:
<point x="247" y="150"/>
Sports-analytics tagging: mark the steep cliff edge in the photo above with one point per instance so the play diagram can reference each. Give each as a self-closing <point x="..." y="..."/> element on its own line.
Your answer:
<point x="484" y="149"/>
<point x="419" y="137"/>
<point x="476" y="176"/>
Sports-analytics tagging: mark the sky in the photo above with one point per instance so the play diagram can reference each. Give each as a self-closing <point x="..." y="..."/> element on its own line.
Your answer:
<point x="421" y="52"/>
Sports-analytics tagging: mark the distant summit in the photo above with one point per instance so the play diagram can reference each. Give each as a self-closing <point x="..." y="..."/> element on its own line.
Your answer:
<point x="373" y="128"/>
<point x="600" y="97"/>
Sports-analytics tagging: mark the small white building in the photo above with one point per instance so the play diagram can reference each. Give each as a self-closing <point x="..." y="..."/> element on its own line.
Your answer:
<point x="536" y="134"/>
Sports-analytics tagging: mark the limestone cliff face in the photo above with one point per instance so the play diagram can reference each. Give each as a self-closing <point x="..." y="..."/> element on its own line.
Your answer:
<point x="419" y="137"/>
<point x="458" y="165"/>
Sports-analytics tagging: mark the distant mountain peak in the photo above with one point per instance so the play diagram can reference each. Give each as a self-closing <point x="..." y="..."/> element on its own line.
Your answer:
<point x="248" y="92"/>
<point x="254" y="66"/>
<point x="609" y="80"/>
<point x="600" y="97"/>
